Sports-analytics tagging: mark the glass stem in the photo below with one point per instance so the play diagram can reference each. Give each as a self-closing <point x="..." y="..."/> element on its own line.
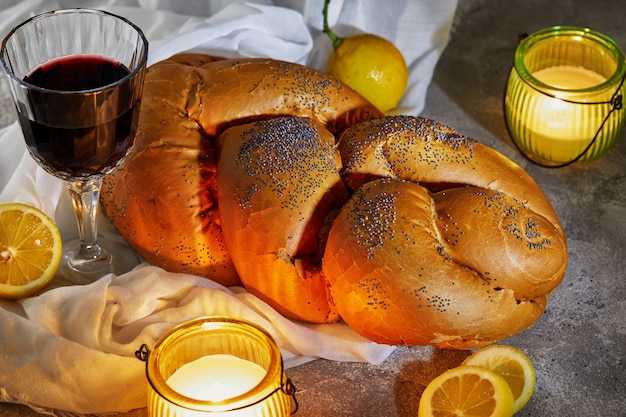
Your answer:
<point x="84" y="196"/>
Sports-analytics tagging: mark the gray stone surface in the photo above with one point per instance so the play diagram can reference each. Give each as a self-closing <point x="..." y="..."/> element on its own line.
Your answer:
<point x="578" y="346"/>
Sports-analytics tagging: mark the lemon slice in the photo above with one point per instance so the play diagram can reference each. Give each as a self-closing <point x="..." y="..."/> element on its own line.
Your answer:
<point x="513" y="365"/>
<point x="467" y="391"/>
<point x="30" y="250"/>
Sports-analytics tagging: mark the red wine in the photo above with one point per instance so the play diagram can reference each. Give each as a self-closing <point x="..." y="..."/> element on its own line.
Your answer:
<point x="83" y="123"/>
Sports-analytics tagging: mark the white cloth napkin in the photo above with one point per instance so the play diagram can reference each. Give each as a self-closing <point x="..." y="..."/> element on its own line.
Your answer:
<point x="72" y="348"/>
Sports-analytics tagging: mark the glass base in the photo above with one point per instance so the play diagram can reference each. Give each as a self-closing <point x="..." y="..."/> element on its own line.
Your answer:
<point x="81" y="266"/>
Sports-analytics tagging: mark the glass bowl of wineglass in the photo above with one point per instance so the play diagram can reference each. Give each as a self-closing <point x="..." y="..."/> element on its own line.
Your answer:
<point x="76" y="78"/>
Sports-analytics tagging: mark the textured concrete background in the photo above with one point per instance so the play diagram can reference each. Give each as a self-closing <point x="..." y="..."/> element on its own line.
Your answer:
<point x="578" y="346"/>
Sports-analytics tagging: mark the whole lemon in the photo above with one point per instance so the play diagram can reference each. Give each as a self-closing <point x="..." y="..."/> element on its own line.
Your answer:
<point x="372" y="66"/>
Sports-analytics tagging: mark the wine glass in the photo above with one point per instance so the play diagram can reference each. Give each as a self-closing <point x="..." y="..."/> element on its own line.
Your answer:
<point x="76" y="78"/>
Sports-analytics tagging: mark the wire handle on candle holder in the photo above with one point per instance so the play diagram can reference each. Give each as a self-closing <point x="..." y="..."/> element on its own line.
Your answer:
<point x="142" y="353"/>
<point x="616" y="103"/>
<point x="286" y="386"/>
<point x="290" y="390"/>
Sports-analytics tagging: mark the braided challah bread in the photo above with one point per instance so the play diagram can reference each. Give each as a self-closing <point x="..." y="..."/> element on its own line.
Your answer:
<point x="277" y="176"/>
<point x="456" y="245"/>
<point x="163" y="198"/>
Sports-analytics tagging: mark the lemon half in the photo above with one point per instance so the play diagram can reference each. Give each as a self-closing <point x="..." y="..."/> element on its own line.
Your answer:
<point x="467" y="391"/>
<point x="30" y="250"/>
<point x="512" y="364"/>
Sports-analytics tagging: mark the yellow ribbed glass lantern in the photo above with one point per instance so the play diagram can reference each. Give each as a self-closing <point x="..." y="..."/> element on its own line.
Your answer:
<point x="563" y="99"/>
<point x="216" y="366"/>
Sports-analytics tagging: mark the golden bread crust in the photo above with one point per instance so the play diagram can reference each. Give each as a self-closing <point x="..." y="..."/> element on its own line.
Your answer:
<point x="278" y="177"/>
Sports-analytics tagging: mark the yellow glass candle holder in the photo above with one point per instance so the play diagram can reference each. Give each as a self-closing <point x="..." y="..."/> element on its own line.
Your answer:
<point x="563" y="99"/>
<point x="216" y="366"/>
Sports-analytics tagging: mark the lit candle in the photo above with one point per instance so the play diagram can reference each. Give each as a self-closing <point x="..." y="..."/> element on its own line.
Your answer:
<point x="216" y="377"/>
<point x="564" y="129"/>
<point x="559" y="105"/>
<point x="569" y="77"/>
<point x="219" y="367"/>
